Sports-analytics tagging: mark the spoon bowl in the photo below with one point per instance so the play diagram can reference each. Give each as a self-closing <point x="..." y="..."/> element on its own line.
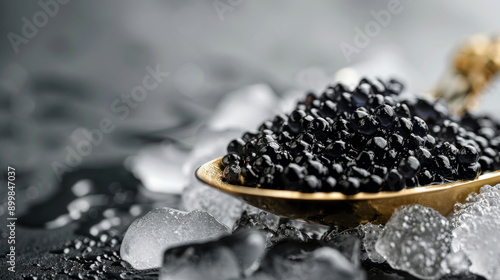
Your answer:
<point x="335" y="208"/>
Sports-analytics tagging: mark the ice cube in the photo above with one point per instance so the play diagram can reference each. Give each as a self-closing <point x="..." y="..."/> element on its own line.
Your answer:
<point x="195" y="262"/>
<point x="223" y="207"/>
<point x="370" y="234"/>
<point x="476" y="226"/>
<point x="366" y="236"/>
<point x="255" y="218"/>
<point x="287" y="231"/>
<point x="349" y="246"/>
<point x="276" y="227"/>
<point x="329" y="263"/>
<point x="416" y="240"/>
<point x="456" y="263"/>
<point x="315" y="231"/>
<point x="298" y="260"/>
<point x="245" y="108"/>
<point x="147" y="237"/>
<point x="226" y="258"/>
<point x="159" y="167"/>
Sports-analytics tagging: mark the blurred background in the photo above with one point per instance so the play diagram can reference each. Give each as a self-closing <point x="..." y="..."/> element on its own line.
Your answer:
<point x="102" y="88"/>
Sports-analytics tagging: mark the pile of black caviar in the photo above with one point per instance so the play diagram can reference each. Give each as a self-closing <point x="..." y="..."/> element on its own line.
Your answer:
<point x="366" y="139"/>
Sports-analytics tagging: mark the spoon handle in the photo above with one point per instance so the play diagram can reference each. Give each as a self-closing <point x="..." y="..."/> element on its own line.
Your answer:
<point x="474" y="65"/>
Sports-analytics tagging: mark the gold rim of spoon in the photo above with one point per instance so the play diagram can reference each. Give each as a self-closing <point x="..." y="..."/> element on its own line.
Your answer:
<point x="335" y="208"/>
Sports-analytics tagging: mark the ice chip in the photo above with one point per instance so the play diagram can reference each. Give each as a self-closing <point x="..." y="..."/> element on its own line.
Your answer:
<point x="298" y="260"/>
<point x="245" y="108"/>
<point x="456" y="263"/>
<point x="370" y="234"/>
<point x="315" y="231"/>
<point x="348" y="246"/>
<point x="159" y="167"/>
<point x="287" y="231"/>
<point x="223" y="207"/>
<point x="366" y="236"/>
<point x="329" y="263"/>
<point x="416" y="240"/>
<point x="476" y="227"/>
<point x="248" y="246"/>
<point x="149" y="236"/>
<point x="195" y="262"/>
<point x="255" y="218"/>
<point x="226" y="258"/>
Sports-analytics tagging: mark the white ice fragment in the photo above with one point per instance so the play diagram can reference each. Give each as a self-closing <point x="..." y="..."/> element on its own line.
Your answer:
<point x="456" y="263"/>
<point x="149" y="236"/>
<point x="159" y="167"/>
<point x="476" y="231"/>
<point x="416" y="240"/>
<point x="245" y="108"/>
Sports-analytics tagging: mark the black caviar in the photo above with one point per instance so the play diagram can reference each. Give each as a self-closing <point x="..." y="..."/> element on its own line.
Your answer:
<point x="368" y="139"/>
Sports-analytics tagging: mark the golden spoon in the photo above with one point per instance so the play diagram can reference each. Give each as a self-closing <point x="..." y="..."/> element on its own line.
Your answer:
<point x="335" y="208"/>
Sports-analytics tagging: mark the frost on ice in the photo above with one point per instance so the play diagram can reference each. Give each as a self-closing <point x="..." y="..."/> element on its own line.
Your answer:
<point x="477" y="231"/>
<point x="417" y="240"/>
<point x="370" y="234"/>
<point x="149" y="236"/>
<point x="223" y="207"/>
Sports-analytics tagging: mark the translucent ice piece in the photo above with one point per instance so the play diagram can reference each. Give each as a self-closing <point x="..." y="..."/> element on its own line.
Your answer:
<point x="159" y="167"/>
<point x="315" y="231"/>
<point x="226" y="258"/>
<point x="476" y="231"/>
<point x="149" y="236"/>
<point x="370" y="234"/>
<point x="349" y="246"/>
<point x="456" y="263"/>
<point x="286" y="232"/>
<point x="416" y="240"/>
<point x="366" y="234"/>
<point x="245" y="108"/>
<point x="329" y="263"/>
<point x="200" y="262"/>
<point x="223" y="207"/>
<point x="255" y="218"/>
<point x="298" y="260"/>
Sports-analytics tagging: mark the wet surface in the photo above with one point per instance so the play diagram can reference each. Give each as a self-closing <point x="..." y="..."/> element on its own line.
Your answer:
<point x="76" y="233"/>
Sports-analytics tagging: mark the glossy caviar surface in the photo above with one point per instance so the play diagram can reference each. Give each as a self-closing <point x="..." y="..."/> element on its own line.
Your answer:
<point x="366" y="139"/>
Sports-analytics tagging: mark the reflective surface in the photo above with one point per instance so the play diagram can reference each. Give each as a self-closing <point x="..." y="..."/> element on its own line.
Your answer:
<point x="335" y="208"/>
